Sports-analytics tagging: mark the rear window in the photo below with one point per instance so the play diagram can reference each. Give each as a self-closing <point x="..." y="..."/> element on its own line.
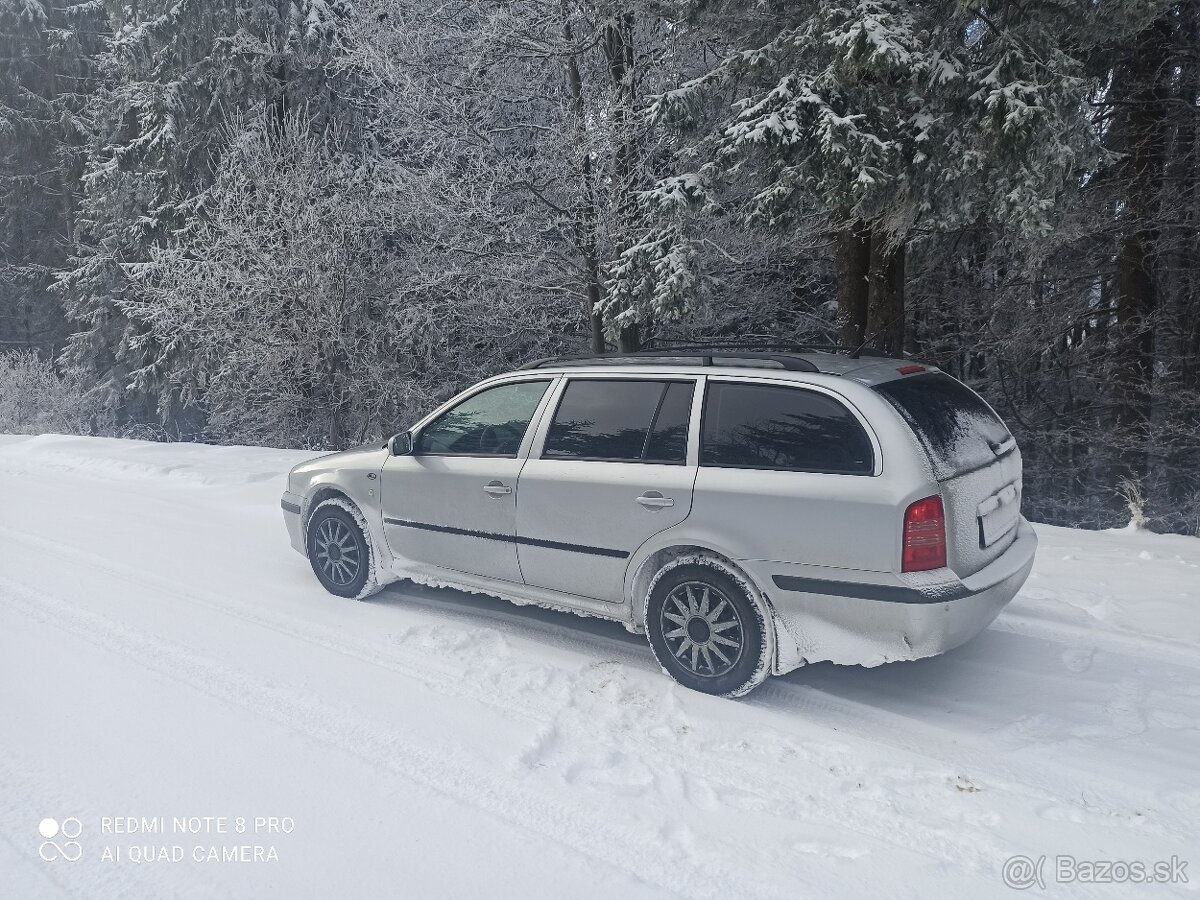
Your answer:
<point x="754" y="426"/>
<point x="959" y="431"/>
<point x="621" y="421"/>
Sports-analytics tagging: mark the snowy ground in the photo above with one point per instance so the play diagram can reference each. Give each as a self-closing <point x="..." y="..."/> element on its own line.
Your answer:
<point x="164" y="653"/>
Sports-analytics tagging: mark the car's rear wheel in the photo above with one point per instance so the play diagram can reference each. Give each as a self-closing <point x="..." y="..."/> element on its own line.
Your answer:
<point x="339" y="549"/>
<point x="706" y="629"/>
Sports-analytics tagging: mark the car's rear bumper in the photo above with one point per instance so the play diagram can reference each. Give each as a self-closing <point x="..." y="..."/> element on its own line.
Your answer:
<point x="292" y="505"/>
<point x="905" y="617"/>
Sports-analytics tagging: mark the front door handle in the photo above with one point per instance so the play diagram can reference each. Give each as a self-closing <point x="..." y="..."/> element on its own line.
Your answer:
<point x="497" y="488"/>
<point x="655" y="500"/>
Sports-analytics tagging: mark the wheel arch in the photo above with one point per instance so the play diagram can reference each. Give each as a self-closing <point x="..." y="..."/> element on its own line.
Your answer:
<point x="322" y="493"/>
<point x="780" y="642"/>
<point x="643" y="571"/>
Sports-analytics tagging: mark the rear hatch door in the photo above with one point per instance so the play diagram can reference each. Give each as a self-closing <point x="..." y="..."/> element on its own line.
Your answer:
<point x="974" y="459"/>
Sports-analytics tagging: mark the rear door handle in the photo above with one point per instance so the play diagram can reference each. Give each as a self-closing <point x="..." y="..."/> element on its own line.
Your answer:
<point x="655" y="500"/>
<point x="497" y="488"/>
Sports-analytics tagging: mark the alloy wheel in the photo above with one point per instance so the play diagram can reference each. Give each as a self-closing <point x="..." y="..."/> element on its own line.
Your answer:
<point x="338" y="552"/>
<point x="702" y="629"/>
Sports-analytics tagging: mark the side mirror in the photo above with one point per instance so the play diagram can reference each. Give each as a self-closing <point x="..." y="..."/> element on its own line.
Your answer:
<point x="401" y="444"/>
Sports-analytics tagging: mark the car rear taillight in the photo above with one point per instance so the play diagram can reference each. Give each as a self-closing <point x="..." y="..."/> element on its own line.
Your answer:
<point x="924" y="536"/>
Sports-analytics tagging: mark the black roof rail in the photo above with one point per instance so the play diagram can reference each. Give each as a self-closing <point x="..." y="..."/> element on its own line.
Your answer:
<point x="682" y="356"/>
<point x="853" y="351"/>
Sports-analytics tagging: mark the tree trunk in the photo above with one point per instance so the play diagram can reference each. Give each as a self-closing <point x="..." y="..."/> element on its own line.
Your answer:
<point x="630" y="340"/>
<point x="618" y="51"/>
<point x="885" y="295"/>
<point x="1139" y="89"/>
<point x="593" y="300"/>
<point x="1187" y="153"/>
<point x="853" y="269"/>
<point x="586" y="218"/>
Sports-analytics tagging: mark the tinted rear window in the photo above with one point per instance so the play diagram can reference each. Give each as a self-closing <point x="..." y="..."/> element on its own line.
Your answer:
<point x="765" y="427"/>
<point x="622" y="421"/>
<point x="959" y="431"/>
<point x="668" y="437"/>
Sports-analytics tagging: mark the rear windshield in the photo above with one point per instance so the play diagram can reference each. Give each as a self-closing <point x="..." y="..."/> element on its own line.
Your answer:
<point x="951" y="421"/>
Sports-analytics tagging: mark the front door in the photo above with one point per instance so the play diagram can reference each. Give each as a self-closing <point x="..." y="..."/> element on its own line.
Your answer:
<point x="452" y="502"/>
<point x="612" y="473"/>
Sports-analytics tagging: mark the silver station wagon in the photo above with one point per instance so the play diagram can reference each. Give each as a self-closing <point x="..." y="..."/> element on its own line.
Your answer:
<point x="748" y="511"/>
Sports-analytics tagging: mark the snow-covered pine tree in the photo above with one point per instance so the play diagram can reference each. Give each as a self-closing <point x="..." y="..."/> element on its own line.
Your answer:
<point x="174" y="76"/>
<point x="896" y="118"/>
<point x="46" y="52"/>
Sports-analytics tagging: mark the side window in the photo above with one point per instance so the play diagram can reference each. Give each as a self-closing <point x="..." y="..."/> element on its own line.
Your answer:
<point x="668" y="437"/>
<point x="491" y="423"/>
<point x="766" y="427"/>
<point x="622" y="421"/>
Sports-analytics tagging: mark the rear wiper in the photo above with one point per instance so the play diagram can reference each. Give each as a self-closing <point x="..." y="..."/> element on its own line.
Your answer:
<point x="1004" y="447"/>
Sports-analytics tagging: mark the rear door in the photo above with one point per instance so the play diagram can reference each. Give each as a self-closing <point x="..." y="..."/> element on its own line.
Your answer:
<point x="452" y="502"/>
<point x="613" y="472"/>
<point x="974" y="459"/>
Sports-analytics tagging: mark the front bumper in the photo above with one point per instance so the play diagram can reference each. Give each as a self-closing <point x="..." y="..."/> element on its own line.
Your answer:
<point x="911" y="617"/>
<point x="292" y="505"/>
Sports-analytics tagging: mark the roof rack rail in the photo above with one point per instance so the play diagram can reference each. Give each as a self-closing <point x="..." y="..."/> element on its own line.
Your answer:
<point x="682" y="356"/>
<point x="853" y="351"/>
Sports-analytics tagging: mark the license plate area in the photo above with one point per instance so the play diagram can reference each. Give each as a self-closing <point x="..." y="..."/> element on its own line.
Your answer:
<point x="998" y="514"/>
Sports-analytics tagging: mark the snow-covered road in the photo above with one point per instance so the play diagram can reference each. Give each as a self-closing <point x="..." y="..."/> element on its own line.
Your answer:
<point x="164" y="653"/>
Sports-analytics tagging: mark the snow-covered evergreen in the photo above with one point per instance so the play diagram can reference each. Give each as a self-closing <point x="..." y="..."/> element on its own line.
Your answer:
<point x="916" y="118"/>
<point x="174" y="76"/>
<point x="46" y="79"/>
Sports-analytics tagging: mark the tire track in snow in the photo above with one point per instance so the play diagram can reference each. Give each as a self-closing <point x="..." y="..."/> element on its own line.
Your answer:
<point x="576" y="734"/>
<point x="1071" y="634"/>
<point x="1047" y="781"/>
<point x="431" y="671"/>
<point x="1042" y="780"/>
<point x="20" y="814"/>
<point x="444" y="771"/>
<point x="746" y="781"/>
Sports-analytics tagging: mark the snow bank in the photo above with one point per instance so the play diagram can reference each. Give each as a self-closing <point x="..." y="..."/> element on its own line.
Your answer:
<point x="113" y="458"/>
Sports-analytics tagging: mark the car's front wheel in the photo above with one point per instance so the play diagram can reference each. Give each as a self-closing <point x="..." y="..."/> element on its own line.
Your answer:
<point x="339" y="549"/>
<point x="706" y="629"/>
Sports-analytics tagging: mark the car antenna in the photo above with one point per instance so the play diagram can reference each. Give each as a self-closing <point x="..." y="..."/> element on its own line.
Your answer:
<point x="857" y="351"/>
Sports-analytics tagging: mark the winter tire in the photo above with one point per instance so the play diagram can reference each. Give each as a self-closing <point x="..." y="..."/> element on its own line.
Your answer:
<point x="339" y="550"/>
<point x="706" y="629"/>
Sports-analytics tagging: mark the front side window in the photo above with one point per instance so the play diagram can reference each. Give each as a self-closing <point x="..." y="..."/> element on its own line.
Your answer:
<point x="490" y="423"/>
<point x="622" y="421"/>
<point x="754" y="426"/>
